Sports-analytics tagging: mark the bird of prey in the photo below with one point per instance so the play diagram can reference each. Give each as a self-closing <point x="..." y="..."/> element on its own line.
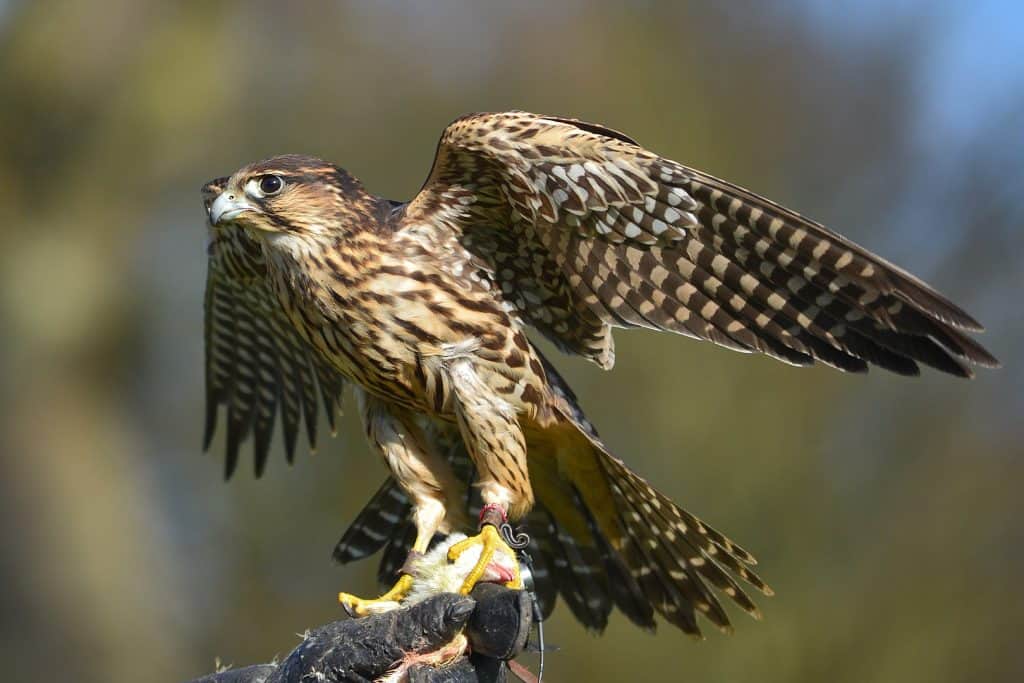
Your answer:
<point x="422" y="308"/>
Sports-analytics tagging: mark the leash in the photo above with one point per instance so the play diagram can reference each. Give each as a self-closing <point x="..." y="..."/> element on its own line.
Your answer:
<point x="524" y="558"/>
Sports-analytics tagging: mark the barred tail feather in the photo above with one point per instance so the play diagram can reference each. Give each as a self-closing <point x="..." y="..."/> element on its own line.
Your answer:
<point x="577" y="572"/>
<point x="667" y="560"/>
<point x="691" y="551"/>
<point x="375" y="526"/>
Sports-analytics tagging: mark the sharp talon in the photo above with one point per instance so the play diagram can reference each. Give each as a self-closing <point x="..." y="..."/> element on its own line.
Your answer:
<point x="360" y="607"/>
<point x="347" y="603"/>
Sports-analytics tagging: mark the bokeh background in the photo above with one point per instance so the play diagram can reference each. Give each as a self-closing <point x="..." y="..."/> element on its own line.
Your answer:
<point x="886" y="512"/>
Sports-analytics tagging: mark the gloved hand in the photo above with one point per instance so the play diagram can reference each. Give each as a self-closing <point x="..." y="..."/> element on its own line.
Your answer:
<point x="496" y="620"/>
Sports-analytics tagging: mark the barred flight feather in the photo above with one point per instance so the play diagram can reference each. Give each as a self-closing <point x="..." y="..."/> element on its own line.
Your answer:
<point x="605" y="228"/>
<point x="256" y="364"/>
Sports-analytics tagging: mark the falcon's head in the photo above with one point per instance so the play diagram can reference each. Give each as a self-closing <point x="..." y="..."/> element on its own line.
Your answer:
<point x="288" y="195"/>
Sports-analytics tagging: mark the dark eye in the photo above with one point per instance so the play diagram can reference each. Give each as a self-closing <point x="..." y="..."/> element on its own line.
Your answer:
<point x="271" y="184"/>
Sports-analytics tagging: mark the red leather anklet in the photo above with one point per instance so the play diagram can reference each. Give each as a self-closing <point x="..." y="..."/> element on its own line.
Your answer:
<point x="493" y="514"/>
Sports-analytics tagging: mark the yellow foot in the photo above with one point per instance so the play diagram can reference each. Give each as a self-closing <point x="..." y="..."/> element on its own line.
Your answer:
<point x="489" y="542"/>
<point x="358" y="607"/>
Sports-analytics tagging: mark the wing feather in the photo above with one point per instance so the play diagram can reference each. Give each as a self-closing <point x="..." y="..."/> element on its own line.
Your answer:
<point x="584" y="230"/>
<point x="257" y="367"/>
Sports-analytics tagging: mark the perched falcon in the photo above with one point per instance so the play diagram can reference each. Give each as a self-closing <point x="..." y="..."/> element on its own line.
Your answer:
<point x="422" y="308"/>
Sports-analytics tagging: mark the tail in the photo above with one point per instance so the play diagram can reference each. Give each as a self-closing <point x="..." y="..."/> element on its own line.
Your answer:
<point x="601" y="537"/>
<point x="670" y="557"/>
<point x="385" y="522"/>
<point x="655" y="555"/>
<point x="651" y="555"/>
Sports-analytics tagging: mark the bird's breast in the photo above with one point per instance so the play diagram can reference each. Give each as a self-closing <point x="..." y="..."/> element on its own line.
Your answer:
<point x="383" y="322"/>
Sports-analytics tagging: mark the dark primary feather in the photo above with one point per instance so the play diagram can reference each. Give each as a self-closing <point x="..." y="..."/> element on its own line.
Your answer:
<point x="585" y="230"/>
<point x="256" y="364"/>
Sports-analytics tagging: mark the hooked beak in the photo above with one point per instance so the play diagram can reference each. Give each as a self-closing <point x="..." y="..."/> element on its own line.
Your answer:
<point x="227" y="207"/>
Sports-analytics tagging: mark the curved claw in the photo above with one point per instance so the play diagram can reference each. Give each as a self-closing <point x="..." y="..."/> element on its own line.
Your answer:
<point x="490" y="541"/>
<point x="360" y="607"/>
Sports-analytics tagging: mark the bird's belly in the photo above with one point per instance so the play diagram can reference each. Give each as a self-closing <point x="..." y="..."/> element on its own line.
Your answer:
<point x="402" y="362"/>
<point x="381" y="363"/>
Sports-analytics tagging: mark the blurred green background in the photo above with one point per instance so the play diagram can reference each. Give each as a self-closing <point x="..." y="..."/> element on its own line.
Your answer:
<point x="886" y="512"/>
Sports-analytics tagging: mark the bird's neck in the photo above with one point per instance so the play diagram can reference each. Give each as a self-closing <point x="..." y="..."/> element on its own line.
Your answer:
<point x="288" y="257"/>
<point x="320" y="273"/>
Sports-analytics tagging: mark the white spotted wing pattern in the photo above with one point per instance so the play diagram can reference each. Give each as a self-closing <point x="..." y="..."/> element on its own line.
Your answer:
<point x="586" y="230"/>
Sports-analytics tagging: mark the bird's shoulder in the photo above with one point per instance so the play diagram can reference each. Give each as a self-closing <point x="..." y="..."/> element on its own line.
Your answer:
<point x="523" y="126"/>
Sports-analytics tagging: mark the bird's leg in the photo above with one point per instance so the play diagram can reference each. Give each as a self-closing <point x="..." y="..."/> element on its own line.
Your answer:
<point x="492" y="518"/>
<point x="496" y="443"/>
<point x="425" y="476"/>
<point x="428" y="517"/>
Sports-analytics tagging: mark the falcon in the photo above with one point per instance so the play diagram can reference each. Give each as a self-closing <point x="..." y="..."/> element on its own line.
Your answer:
<point x="567" y="228"/>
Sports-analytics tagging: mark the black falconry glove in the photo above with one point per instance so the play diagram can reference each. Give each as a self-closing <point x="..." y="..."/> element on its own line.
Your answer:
<point x="422" y="643"/>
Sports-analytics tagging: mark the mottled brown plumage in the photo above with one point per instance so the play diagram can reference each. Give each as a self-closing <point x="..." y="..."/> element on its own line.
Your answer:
<point x="569" y="228"/>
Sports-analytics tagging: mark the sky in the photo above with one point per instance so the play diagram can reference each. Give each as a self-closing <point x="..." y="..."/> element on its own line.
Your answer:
<point x="974" y="50"/>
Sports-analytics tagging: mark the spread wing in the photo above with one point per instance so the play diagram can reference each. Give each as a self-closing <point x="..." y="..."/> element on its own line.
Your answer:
<point x="585" y="230"/>
<point x="256" y="365"/>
